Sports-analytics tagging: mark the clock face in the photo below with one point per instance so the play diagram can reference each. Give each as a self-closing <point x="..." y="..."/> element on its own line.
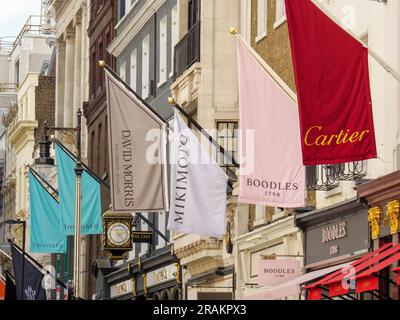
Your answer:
<point x="118" y="234"/>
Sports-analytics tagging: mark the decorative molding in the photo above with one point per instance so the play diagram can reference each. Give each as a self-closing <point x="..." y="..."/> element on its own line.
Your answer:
<point x="197" y="247"/>
<point x="393" y="215"/>
<point x="374" y="216"/>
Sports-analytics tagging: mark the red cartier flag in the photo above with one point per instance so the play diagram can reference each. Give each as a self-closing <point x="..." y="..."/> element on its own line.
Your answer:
<point x="333" y="89"/>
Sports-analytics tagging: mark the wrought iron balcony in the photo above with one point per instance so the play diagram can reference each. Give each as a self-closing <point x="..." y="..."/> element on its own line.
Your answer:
<point x="328" y="177"/>
<point x="187" y="51"/>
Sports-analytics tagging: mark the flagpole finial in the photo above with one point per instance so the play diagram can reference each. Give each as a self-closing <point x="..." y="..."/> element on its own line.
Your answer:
<point x="233" y="30"/>
<point x="102" y="63"/>
<point x="171" y="100"/>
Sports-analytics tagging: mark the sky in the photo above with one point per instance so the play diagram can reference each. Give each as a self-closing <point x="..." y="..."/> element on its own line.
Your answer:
<point x="14" y="16"/>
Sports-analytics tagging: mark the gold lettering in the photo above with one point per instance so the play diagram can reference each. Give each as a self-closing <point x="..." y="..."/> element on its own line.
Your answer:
<point x="318" y="142"/>
<point x="343" y="137"/>
<point x="308" y="132"/>
<point x="354" y="136"/>
<point x="362" y="134"/>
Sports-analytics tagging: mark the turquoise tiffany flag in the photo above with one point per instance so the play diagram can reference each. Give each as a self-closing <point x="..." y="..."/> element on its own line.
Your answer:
<point x="45" y="220"/>
<point x="91" y="198"/>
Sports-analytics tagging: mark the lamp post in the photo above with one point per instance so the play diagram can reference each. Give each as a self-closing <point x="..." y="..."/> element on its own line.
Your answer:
<point x="14" y="222"/>
<point x="45" y="159"/>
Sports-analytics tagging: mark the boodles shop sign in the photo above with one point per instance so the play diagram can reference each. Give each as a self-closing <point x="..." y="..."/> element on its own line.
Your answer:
<point x="273" y="272"/>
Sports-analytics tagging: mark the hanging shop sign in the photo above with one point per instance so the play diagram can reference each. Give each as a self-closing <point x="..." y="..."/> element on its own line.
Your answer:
<point x="142" y="236"/>
<point x="273" y="272"/>
<point x="117" y="236"/>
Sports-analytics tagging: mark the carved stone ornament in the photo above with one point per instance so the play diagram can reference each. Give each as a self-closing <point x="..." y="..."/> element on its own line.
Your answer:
<point x="393" y="215"/>
<point x="374" y="215"/>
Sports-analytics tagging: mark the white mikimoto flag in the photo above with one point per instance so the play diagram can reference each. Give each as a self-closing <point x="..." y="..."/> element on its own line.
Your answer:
<point x="198" y="195"/>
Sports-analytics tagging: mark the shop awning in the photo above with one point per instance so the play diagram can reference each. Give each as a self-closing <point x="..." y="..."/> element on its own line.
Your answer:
<point x="315" y="289"/>
<point x="364" y="272"/>
<point x="397" y="270"/>
<point x="291" y="287"/>
<point x="336" y="287"/>
<point x="368" y="280"/>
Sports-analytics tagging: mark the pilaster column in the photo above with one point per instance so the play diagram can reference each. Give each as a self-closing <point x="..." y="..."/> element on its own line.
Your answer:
<point x="85" y="54"/>
<point x="60" y="82"/>
<point x="69" y="37"/>
<point x="77" y="67"/>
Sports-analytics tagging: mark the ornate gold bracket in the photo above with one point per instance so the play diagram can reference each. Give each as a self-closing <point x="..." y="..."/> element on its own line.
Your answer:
<point x="374" y="215"/>
<point x="178" y="273"/>
<point x="393" y="215"/>
<point x="145" y="283"/>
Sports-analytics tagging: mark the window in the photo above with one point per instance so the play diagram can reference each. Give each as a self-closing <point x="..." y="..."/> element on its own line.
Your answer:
<point x="121" y="9"/>
<point x="146" y="67"/>
<point x="174" y="35"/>
<point x="228" y="138"/>
<point x="93" y="69"/>
<point x="124" y="7"/>
<point x="99" y="143"/>
<point x="194" y="13"/>
<point x="16" y="73"/>
<point x="92" y="149"/>
<point x="122" y="71"/>
<point x="134" y="69"/>
<point x="163" y="51"/>
<point x="101" y="57"/>
<point x="280" y="13"/>
<point x="261" y="19"/>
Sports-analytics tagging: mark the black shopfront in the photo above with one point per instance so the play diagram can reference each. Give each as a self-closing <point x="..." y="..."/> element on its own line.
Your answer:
<point x="334" y="235"/>
<point x="150" y="277"/>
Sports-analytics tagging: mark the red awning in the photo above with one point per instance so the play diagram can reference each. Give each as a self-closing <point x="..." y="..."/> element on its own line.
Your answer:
<point x="337" y="281"/>
<point x="353" y="264"/>
<point x="367" y="281"/>
<point x="398" y="276"/>
<point x="340" y="285"/>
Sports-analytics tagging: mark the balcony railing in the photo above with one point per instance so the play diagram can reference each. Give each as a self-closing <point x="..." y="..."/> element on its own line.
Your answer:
<point x="328" y="177"/>
<point x="187" y="51"/>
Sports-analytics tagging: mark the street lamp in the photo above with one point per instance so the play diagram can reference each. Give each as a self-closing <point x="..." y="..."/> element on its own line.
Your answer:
<point x="14" y="222"/>
<point x="45" y="160"/>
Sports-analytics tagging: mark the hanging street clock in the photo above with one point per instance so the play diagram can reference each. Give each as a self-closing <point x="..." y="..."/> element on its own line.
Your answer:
<point x="117" y="234"/>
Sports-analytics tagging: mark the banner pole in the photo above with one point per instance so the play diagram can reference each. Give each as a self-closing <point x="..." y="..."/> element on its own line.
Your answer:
<point x="78" y="195"/>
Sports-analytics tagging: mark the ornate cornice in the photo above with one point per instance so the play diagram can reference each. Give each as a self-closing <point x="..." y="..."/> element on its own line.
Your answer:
<point x="196" y="247"/>
<point x="381" y="190"/>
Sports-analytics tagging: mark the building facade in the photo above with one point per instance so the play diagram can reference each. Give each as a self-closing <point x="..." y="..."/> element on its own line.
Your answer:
<point x="331" y="188"/>
<point x="205" y="86"/>
<point x="30" y="79"/>
<point x="71" y="20"/>
<point x="101" y="31"/>
<point x="142" y="49"/>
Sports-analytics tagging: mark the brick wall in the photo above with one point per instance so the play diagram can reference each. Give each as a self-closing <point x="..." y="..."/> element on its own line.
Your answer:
<point x="45" y="105"/>
<point x="275" y="47"/>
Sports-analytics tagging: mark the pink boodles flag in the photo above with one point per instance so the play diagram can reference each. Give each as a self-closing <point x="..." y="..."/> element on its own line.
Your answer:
<point x="272" y="173"/>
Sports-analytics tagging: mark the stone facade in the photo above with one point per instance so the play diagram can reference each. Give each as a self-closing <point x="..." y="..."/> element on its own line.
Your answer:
<point x="100" y="32"/>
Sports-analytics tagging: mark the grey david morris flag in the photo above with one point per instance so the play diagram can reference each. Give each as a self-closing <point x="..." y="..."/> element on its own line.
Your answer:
<point x="137" y="151"/>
